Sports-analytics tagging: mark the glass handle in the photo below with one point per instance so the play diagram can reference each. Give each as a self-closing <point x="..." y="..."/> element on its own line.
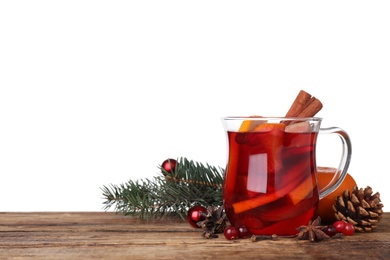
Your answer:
<point x="342" y="169"/>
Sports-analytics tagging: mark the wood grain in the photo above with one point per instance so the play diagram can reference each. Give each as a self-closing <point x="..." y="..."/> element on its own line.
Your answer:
<point x="106" y="235"/>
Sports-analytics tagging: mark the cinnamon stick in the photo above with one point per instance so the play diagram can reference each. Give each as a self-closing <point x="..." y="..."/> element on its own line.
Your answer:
<point x="299" y="103"/>
<point x="304" y="105"/>
<point x="312" y="108"/>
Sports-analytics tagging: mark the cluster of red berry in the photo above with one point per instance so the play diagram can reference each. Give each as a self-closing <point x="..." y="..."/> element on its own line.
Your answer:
<point x="232" y="232"/>
<point x="340" y="226"/>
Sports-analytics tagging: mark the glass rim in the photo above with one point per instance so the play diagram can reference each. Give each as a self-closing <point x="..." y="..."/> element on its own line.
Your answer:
<point x="253" y="118"/>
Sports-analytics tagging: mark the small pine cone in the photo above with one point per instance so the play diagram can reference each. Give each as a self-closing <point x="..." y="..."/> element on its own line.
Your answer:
<point x="360" y="207"/>
<point x="215" y="221"/>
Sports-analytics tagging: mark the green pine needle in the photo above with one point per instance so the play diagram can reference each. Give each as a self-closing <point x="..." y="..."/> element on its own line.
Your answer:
<point x="191" y="183"/>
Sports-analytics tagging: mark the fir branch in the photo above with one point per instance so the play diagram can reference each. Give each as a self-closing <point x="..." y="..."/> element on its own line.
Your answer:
<point x="191" y="183"/>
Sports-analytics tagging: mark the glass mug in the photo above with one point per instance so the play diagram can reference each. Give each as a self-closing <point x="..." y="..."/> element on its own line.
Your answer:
<point x="270" y="183"/>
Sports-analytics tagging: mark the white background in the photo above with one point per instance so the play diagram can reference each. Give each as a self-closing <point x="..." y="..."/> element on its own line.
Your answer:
<point x="100" y="92"/>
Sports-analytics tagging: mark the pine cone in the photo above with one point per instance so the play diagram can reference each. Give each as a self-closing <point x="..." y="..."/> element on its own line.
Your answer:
<point x="359" y="207"/>
<point x="215" y="221"/>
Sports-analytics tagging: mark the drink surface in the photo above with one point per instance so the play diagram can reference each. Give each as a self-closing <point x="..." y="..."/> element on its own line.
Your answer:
<point x="270" y="182"/>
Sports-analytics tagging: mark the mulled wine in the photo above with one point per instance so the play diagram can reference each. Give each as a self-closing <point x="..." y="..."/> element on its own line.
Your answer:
<point x="270" y="181"/>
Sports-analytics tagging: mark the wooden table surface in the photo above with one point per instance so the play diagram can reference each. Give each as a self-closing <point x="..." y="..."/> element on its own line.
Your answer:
<point x="106" y="235"/>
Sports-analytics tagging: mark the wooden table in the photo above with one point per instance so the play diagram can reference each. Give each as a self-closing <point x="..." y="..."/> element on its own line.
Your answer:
<point x="106" y="235"/>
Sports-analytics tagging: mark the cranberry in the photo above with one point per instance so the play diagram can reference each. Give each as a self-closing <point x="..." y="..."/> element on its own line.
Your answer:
<point x="331" y="230"/>
<point x="231" y="233"/>
<point x="349" y="229"/>
<point x="339" y="225"/>
<point x="243" y="232"/>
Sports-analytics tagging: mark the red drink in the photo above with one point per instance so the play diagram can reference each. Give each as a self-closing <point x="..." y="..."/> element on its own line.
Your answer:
<point x="270" y="182"/>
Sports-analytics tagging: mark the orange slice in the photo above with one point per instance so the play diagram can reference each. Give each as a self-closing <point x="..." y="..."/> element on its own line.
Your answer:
<point x="302" y="190"/>
<point x="249" y="125"/>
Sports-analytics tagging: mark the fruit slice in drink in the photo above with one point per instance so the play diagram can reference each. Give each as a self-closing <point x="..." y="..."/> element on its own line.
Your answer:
<point x="290" y="182"/>
<point x="249" y="125"/>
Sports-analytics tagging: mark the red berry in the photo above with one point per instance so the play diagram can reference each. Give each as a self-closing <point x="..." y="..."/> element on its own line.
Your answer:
<point x="243" y="232"/>
<point x="194" y="215"/>
<point x="339" y="225"/>
<point x="331" y="230"/>
<point x="168" y="166"/>
<point x="349" y="229"/>
<point x="230" y="233"/>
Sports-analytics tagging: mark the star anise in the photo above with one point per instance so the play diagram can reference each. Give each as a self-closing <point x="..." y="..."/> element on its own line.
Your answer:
<point x="313" y="231"/>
